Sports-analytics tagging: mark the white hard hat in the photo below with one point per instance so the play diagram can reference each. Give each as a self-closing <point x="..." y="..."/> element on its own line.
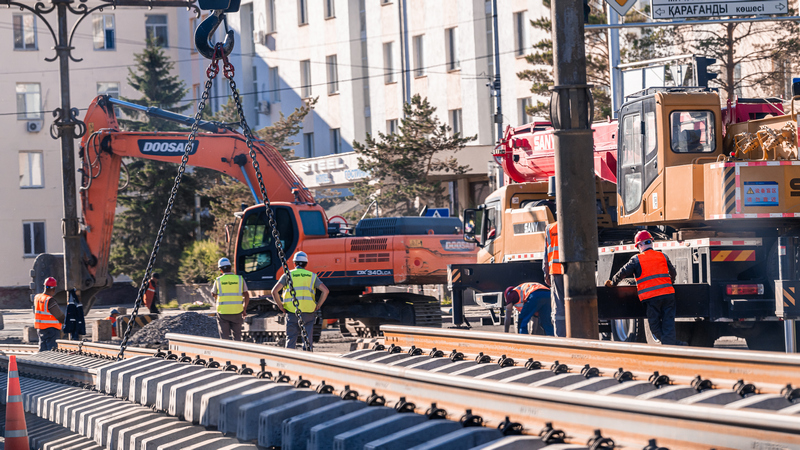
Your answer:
<point x="300" y="257"/>
<point x="224" y="262"/>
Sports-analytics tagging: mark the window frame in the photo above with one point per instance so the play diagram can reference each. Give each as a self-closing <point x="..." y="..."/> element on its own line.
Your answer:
<point x="32" y="237"/>
<point x="388" y="63"/>
<point x="456" y="121"/>
<point x="451" y="49"/>
<point x="709" y="130"/>
<point x="302" y="12"/>
<point x="23" y="32"/>
<point x="336" y="141"/>
<point x="29" y="169"/>
<point x="309" y="230"/>
<point x="332" y="68"/>
<point x="27" y="115"/>
<point x="274" y="84"/>
<point x="419" y="56"/>
<point x="308" y="144"/>
<point x="523" y="104"/>
<point x="306" y="90"/>
<point x="391" y="126"/>
<point x="330" y="9"/>
<point x="156" y="27"/>
<point x="520" y="37"/>
<point x="106" y="45"/>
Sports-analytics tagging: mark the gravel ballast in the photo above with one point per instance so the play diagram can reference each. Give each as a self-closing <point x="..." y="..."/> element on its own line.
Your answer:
<point x="153" y="334"/>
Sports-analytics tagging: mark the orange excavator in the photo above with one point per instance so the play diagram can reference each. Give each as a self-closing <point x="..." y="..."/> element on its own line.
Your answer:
<point x="379" y="252"/>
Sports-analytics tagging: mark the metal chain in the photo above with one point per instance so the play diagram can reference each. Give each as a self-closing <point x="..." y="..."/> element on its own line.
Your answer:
<point x="248" y="134"/>
<point x="212" y="71"/>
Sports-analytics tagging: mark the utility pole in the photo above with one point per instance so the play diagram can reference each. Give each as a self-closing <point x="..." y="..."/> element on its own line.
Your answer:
<point x="571" y="116"/>
<point x="498" y="116"/>
<point x="613" y="63"/>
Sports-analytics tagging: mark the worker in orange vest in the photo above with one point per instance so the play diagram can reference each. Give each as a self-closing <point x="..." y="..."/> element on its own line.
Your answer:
<point x="531" y="298"/>
<point x="47" y="316"/>
<point x="654" y="275"/>
<point x="554" y="278"/>
<point x="151" y="294"/>
<point x="113" y="318"/>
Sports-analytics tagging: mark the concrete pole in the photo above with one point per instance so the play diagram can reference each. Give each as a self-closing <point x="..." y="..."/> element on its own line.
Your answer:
<point x="613" y="63"/>
<point x="498" y="117"/>
<point x="570" y="113"/>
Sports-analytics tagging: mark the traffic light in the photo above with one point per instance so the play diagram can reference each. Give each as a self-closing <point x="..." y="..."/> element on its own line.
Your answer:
<point x="703" y="75"/>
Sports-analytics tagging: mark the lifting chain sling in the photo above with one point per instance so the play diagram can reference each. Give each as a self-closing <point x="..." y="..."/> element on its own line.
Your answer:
<point x="211" y="73"/>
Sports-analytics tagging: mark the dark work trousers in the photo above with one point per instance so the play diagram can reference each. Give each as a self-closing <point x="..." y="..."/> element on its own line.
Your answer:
<point x="538" y="301"/>
<point x="293" y="329"/>
<point x="661" y="317"/>
<point x="557" y="305"/>
<point x="47" y="338"/>
<point x="230" y="326"/>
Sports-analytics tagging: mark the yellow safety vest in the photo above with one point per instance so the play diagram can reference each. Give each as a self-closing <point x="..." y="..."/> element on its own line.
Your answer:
<point x="303" y="281"/>
<point x="229" y="294"/>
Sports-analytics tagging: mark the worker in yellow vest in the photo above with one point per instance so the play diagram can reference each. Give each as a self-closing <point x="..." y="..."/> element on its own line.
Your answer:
<point x="230" y="290"/>
<point x="47" y="316"/>
<point x="305" y="285"/>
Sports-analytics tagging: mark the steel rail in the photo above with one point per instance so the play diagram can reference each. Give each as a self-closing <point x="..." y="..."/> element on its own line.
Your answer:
<point x="17" y="349"/>
<point x="631" y="422"/>
<point x="101" y="350"/>
<point x="770" y="371"/>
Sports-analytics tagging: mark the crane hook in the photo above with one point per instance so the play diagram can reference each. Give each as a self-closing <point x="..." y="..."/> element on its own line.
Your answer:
<point x="205" y="31"/>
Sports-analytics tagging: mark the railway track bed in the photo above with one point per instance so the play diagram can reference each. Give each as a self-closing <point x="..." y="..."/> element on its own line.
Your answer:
<point x="225" y="394"/>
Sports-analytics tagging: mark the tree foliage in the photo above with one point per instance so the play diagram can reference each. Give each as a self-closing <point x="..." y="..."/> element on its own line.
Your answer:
<point x="401" y="165"/>
<point x="281" y="133"/>
<point x="765" y="53"/>
<point x="199" y="262"/>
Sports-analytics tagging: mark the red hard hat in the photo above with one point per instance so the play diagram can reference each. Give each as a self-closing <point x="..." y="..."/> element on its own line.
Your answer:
<point x="641" y="237"/>
<point x="50" y="282"/>
<point x="511" y="296"/>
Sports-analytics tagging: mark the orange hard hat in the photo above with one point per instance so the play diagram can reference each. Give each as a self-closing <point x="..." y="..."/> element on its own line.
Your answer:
<point x="642" y="236"/>
<point x="50" y="282"/>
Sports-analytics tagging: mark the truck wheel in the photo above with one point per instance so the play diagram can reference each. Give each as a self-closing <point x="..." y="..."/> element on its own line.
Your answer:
<point x="627" y="330"/>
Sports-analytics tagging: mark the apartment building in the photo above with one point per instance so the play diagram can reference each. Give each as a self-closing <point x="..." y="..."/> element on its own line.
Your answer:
<point x="30" y="164"/>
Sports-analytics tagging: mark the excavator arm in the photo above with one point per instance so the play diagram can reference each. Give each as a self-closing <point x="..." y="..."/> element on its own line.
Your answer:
<point x="104" y="147"/>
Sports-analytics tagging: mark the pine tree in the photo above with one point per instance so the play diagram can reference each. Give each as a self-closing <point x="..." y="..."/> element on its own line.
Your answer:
<point x="281" y="133"/>
<point x="145" y="198"/>
<point x="401" y="165"/>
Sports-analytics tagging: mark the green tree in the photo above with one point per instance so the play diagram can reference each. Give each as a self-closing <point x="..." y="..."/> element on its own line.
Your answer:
<point x="153" y="78"/>
<point x="401" y="165"/>
<point x="281" y="133"/>
<point x="145" y="199"/>
<point x="199" y="262"/>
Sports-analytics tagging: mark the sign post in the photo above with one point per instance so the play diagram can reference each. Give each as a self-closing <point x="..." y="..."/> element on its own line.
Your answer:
<point x="685" y="9"/>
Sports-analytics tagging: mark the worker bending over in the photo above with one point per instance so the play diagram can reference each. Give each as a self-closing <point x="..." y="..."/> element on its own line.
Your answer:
<point x="47" y="316"/>
<point x="305" y="285"/>
<point x="534" y="298"/>
<point x="230" y="290"/>
<point x="654" y="275"/>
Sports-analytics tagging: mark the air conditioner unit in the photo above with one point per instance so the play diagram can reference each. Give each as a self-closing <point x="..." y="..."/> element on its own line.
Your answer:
<point x="259" y="37"/>
<point x="264" y="107"/>
<point x="33" y="126"/>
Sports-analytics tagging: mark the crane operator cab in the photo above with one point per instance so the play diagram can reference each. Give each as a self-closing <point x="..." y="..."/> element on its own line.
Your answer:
<point x="663" y="135"/>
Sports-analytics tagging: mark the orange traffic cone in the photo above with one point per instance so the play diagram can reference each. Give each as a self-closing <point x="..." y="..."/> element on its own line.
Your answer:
<point x="16" y="430"/>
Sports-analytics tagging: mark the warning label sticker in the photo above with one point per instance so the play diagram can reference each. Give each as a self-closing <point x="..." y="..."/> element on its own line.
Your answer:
<point x="761" y="193"/>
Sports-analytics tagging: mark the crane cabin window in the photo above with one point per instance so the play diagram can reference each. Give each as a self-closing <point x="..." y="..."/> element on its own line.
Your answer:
<point x="313" y="223"/>
<point x="692" y="132"/>
<point x="255" y="242"/>
<point x="631" y="161"/>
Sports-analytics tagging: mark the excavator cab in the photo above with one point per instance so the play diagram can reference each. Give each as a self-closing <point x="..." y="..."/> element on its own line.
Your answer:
<point x="256" y="256"/>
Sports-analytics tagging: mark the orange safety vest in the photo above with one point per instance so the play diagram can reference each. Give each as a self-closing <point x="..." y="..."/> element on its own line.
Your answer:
<point x="42" y="317"/>
<point x="551" y="240"/>
<point x="113" y="326"/>
<point x="655" y="279"/>
<point x="150" y="293"/>
<point x="525" y="289"/>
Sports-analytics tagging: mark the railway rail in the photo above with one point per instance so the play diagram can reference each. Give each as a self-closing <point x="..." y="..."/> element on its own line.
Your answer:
<point x="408" y="396"/>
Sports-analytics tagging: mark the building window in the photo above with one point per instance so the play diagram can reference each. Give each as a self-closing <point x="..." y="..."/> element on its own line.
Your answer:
<point x="308" y="143"/>
<point x="737" y="79"/>
<point x="274" y="85"/>
<point x="271" y="16"/>
<point x="31" y="171"/>
<point x="29" y="101"/>
<point x="520" y="32"/>
<point x="456" y="122"/>
<point x="333" y="74"/>
<point x="302" y="12"/>
<point x="156" y="29"/>
<point x="451" y="41"/>
<point x="110" y="89"/>
<point x="391" y="126"/>
<point x="524" y="104"/>
<point x="305" y="78"/>
<point x="419" y="56"/>
<point x="386" y="2"/>
<point x="388" y="62"/>
<point x="24" y="31"/>
<point x="336" y="141"/>
<point x="103" y="32"/>
<point x="33" y="238"/>
<point x="330" y="12"/>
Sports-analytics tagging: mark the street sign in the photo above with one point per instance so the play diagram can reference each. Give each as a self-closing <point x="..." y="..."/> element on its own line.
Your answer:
<point x="621" y="6"/>
<point x="684" y="9"/>
<point x="437" y="212"/>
